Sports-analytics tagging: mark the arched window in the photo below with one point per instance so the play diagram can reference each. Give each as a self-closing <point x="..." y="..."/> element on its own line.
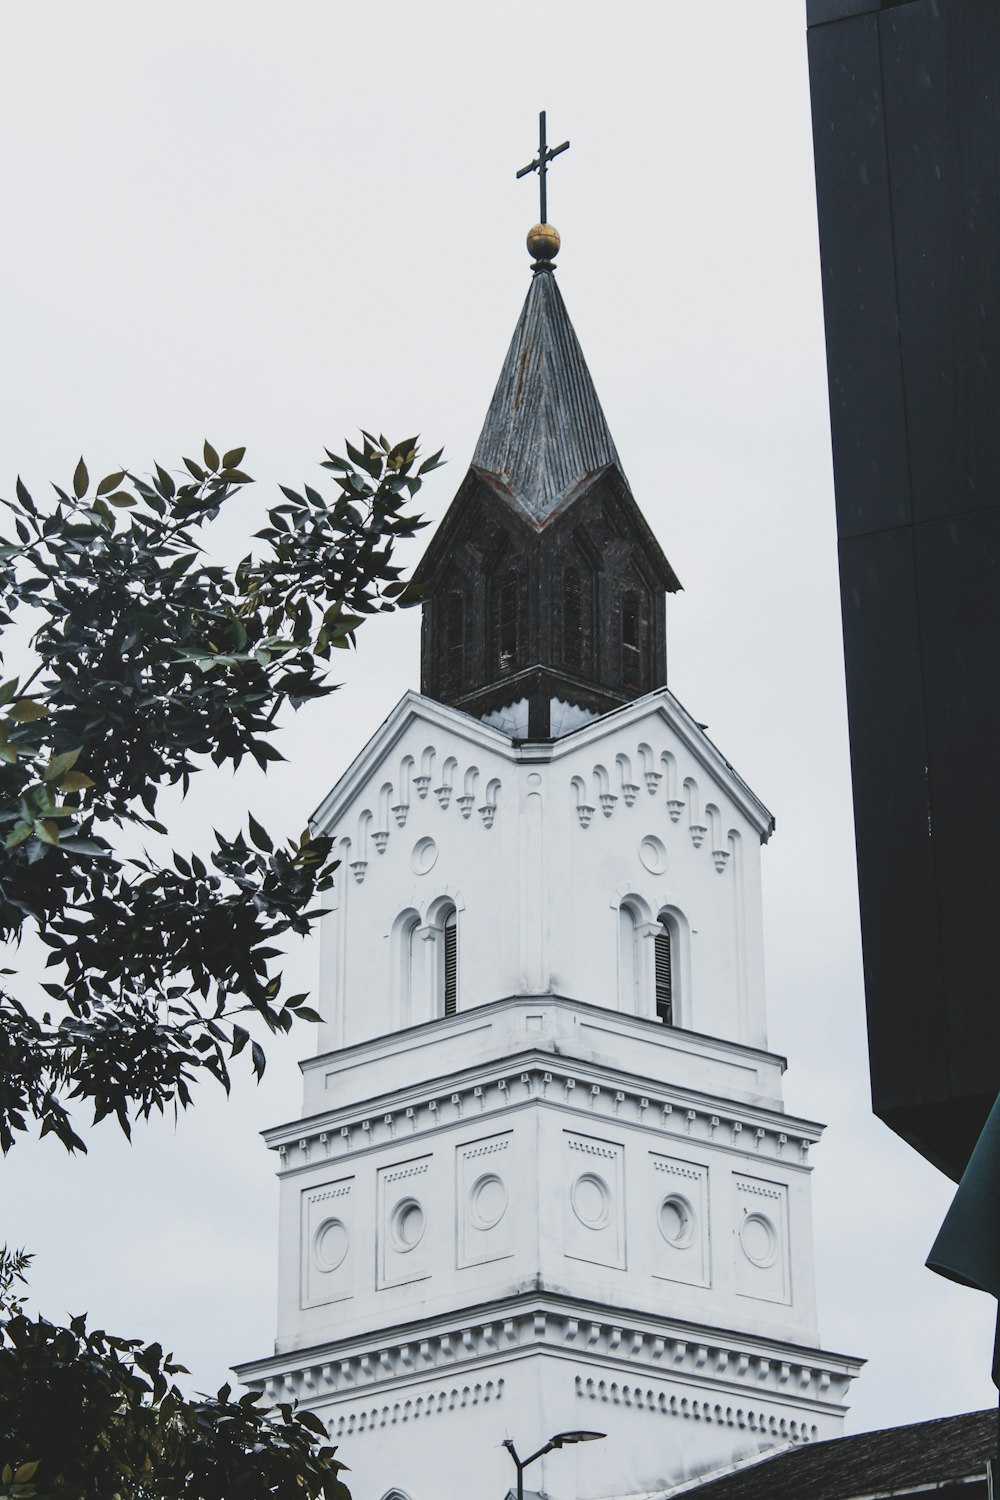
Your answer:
<point x="507" y="623"/>
<point x="449" y="963"/>
<point x="664" y="974"/>
<point x="628" y="961"/>
<point x="631" y="640"/>
<point x="453" y="656"/>
<point x="406" y="968"/>
<point x="572" y="620"/>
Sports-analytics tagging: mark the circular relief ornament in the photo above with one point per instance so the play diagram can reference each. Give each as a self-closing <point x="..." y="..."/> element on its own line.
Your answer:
<point x="676" y="1220"/>
<point x="759" y="1240"/>
<point x="653" y="854"/>
<point x="487" y="1201"/>
<point x="406" y="1225"/>
<point x="590" y="1197"/>
<point x="424" y="856"/>
<point x="330" y="1244"/>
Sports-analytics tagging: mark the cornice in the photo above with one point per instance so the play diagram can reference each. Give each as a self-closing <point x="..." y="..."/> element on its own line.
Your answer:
<point x="528" y="1079"/>
<point x="714" y="1365"/>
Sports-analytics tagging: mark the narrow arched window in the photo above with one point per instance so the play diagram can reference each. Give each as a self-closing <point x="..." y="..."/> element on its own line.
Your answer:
<point x="631" y="640"/>
<point x="572" y="620"/>
<point x="449" y="983"/>
<point x="664" y="975"/>
<point x="407" y="971"/>
<point x="507" y="602"/>
<point x="453" y="655"/>
<point x="628" y="961"/>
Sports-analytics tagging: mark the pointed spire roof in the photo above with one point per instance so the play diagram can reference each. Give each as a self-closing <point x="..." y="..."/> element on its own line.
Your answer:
<point x="545" y="433"/>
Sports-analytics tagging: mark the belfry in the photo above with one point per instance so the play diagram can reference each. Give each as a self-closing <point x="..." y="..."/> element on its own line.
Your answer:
<point x="543" y="1181"/>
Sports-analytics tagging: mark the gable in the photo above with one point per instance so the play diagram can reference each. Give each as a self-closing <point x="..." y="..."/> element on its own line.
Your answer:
<point x="654" y="744"/>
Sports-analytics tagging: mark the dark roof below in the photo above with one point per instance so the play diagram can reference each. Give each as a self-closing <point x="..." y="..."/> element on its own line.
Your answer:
<point x="545" y="433"/>
<point x="895" y="1460"/>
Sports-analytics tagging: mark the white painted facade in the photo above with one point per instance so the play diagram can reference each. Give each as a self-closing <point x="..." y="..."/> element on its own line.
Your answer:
<point x="548" y="1210"/>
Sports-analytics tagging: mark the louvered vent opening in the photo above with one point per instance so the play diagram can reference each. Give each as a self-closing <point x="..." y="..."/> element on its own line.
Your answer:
<point x="454" y="643"/>
<point x="664" y="979"/>
<point x="631" y="649"/>
<point x="507" y="632"/>
<point x="450" y="965"/>
<point x="572" y="620"/>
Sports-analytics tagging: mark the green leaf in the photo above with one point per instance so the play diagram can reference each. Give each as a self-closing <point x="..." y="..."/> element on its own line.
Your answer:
<point x="121" y="498"/>
<point x="166" y="483"/>
<point x="28" y="711"/>
<point x="110" y="482"/>
<point x="60" y="764"/>
<point x="434" y="462"/>
<point x="21" y="832"/>
<point x="233" y="458"/>
<point x="211" y="457"/>
<point x="76" y="781"/>
<point x="81" y="480"/>
<point x="7" y="691"/>
<point x="260" y="835"/>
<point x="24" y="1472"/>
<point x="47" y="831"/>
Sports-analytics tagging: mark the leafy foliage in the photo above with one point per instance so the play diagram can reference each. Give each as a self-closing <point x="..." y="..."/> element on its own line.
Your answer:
<point x="151" y="662"/>
<point x="86" y="1416"/>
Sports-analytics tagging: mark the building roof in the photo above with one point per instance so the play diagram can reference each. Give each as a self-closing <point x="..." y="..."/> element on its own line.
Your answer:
<point x="893" y="1461"/>
<point x="545" y="433"/>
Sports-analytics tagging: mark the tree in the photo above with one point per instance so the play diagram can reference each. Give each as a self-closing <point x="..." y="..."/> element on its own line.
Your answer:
<point x="149" y="664"/>
<point x="86" y="1416"/>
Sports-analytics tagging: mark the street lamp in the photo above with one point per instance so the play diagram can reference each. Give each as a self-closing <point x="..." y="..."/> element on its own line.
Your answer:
<point x="560" y="1440"/>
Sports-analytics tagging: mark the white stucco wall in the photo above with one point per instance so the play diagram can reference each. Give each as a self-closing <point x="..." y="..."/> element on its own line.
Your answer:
<point x="547" y="1210"/>
<point x="537" y="848"/>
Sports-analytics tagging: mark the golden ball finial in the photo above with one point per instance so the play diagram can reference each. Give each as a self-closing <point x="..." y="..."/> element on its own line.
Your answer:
<point x="543" y="242"/>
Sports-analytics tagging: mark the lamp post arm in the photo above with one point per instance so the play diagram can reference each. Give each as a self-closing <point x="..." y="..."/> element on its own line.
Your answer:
<point x="522" y="1463"/>
<point x="547" y="1448"/>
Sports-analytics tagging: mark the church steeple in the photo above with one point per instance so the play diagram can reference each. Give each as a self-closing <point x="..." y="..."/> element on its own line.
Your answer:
<point x="545" y="434"/>
<point x="543" y="1179"/>
<point x="544" y="585"/>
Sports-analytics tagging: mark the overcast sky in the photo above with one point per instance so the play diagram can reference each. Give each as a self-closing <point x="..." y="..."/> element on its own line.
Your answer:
<point x="271" y="224"/>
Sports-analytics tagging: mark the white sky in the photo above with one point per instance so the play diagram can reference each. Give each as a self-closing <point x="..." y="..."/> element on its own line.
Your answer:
<point x="271" y="224"/>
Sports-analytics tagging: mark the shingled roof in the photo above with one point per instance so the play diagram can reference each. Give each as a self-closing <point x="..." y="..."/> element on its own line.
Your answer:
<point x="545" y="432"/>
<point x="893" y="1461"/>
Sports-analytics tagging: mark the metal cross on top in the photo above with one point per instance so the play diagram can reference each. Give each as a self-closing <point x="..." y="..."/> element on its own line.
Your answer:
<point x="541" y="163"/>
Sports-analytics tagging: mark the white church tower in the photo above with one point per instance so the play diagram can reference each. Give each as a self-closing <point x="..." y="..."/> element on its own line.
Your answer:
<point x="544" y="1180"/>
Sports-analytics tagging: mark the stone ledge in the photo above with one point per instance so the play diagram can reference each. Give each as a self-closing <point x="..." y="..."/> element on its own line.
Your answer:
<point x="579" y="1088"/>
<point x="730" y="1366"/>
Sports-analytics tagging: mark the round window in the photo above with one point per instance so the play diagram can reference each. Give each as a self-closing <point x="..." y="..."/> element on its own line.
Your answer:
<point x="424" y="856"/>
<point x="406" y="1226"/>
<point x="653" y="854"/>
<point x="675" y="1217"/>
<point x="487" y="1201"/>
<point x="759" y="1239"/>
<point x="330" y="1244"/>
<point x="591" y="1200"/>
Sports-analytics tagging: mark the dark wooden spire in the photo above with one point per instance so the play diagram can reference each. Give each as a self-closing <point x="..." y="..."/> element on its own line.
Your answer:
<point x="544" y="584"/>
<point x="545" y="433"/>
